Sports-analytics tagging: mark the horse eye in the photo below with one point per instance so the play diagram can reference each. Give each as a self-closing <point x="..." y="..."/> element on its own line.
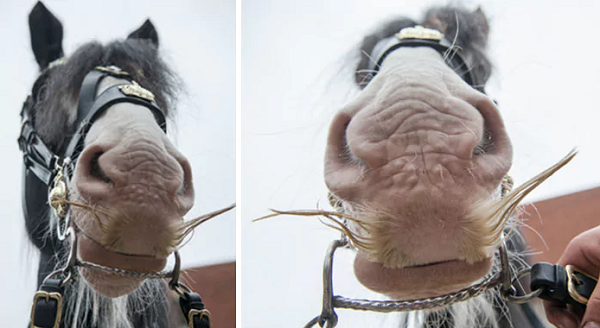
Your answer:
<point x="39" y="86"/>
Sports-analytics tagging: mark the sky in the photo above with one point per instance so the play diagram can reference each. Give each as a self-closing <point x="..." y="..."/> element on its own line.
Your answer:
<point x="198" y="39"/>
<point x="546" y="81"/>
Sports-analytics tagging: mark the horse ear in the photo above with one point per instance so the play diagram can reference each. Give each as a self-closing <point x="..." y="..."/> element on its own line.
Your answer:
<point x="482" y="21"/>
<point x="46" y="35"/>
<point x="146" y="31"/>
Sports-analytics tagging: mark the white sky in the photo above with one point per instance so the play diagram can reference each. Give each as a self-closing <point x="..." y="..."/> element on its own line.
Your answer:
<point x="547" y="81"/>
<point x="198" y="39"/>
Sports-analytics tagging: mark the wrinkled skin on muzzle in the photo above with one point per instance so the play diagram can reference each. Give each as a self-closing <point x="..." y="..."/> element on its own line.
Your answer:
<point x="413" y="155"/>
<point x="140" y="187"/>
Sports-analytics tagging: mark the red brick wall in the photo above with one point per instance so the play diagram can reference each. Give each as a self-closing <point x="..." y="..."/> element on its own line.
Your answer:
<point x="216" y="285"/>
<point x="559" y="220"/>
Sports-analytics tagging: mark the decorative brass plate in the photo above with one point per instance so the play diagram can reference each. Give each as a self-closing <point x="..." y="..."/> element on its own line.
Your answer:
<point x="47" y="296"/>
<point x="419" y="32"/>
<point x="112" y="70"/>
<point x="136" y="90"/>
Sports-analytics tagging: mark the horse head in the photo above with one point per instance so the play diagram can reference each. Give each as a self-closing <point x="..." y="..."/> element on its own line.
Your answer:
<point x="128" y="185"/>
<point x="418" y="155"/>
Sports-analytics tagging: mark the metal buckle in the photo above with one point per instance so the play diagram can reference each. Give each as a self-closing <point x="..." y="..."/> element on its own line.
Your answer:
<point x="572" y="283"/>
<point x="47" y="296"/>
<point x="201" y="314"/>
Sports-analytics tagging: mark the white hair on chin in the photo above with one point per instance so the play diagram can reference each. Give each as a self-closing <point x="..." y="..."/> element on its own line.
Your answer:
<point x="79" y="297"/>
<point x="111" y="312"/>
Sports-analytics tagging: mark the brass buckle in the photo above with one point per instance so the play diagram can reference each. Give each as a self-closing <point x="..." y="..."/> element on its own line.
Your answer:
<point x="47" y="296"/>
<point x="200" y="314"/>
<point x="572" y="282"/>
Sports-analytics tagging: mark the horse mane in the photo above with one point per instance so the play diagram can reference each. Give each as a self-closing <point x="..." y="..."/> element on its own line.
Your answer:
<point x="56" y="91"/>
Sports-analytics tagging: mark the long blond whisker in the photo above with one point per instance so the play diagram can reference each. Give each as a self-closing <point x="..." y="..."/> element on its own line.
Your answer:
<point x="189" y="226"/>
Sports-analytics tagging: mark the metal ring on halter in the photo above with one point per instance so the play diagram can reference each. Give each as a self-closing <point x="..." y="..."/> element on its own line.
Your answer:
<point x="62" y="234"/>
<point x="506" y="272"/>
<point x="61" y="177"/>
<point x="328" y="318"/>
<point x="519" y="299"/>
<point x="71" y="260"/>
<point x="174" y="284"/>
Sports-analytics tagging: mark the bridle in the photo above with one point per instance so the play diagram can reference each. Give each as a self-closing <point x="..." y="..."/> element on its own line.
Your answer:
<point x="503" y="279"/>
<point x="46" y="182"/>
<point x="566" y="285"/>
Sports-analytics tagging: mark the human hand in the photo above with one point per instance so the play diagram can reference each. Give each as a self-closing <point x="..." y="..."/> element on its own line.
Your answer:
<point x="584" y="253"/>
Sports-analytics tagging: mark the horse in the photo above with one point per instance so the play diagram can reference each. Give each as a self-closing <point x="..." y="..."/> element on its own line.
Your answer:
<point x="416" y="165"/>
<point x="124" y="186"/>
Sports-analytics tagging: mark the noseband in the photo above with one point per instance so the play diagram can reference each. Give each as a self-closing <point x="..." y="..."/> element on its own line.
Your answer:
<point x="566" y="285"/>
<point x="419" y="36"/>
<point x="46" y="181"/>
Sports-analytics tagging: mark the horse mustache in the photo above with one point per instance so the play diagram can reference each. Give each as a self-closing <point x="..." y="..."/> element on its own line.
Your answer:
<point x="497" y="212"/>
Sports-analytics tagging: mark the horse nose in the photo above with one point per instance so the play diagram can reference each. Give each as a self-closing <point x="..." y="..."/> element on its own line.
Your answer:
<point x="143" y="167"/>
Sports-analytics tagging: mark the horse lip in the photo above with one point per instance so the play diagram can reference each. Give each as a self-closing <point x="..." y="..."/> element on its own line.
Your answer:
<point x="430" y="264"/>
<point x="111" y="250"/>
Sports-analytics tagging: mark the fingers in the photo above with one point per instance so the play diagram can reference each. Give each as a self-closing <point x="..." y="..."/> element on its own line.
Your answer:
<point x="560" y="316"/>
<point x="584" y="253"/>
<point x="591" y="318"/>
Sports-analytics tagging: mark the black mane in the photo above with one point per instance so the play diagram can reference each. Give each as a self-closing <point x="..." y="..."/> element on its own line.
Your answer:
<point x="56" y="92"/>
<point x="472" y="38"/>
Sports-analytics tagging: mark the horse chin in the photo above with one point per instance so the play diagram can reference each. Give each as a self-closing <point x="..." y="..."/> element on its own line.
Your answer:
<point x="419" y="281"/>
<point x="111" y="284"/>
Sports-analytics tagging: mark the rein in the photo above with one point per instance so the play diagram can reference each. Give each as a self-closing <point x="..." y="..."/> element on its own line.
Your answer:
<point x="45" y="169"/>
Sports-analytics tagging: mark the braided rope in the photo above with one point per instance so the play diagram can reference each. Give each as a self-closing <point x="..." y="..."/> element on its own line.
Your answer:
<point x="419" y="304"/>
<point x="125" y="273"/>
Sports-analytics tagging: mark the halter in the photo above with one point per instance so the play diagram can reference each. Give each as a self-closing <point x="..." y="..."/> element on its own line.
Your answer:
<point x="566" y="285"/>
<point x="419" y="36"/>
<point x="46" y="181"/>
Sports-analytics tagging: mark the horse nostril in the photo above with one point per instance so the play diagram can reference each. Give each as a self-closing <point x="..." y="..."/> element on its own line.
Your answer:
<point x="485" y="144"/>
<point x="96" y="170"/>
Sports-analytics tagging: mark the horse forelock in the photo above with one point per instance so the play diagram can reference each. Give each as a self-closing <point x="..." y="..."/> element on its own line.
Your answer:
<point x="57" y="91"/>
<point x="464" y="29"/>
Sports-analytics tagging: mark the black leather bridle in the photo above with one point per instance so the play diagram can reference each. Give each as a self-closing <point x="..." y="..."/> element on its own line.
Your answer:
<point x="44" y="171"/>
<point x="419" y="36"/>
<point x="41" y="164"/>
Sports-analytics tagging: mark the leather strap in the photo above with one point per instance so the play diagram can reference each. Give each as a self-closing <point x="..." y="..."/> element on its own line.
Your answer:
<point x="108" y="98"/>
<point x="46" y="311"/>
<point x="565" y="285"/>
<point x="443" y="46"/>
<point x="87" y="93"/>
<point x="194" y="311"/>
<point x="39" y="159"/>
